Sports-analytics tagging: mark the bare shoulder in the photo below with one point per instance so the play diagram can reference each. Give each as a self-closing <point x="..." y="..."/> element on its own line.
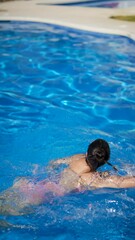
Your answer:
<point x="67" y="160"/>
<point x="77" y="157"/>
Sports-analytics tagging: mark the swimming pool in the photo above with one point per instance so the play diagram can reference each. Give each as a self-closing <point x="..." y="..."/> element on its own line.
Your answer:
<point x="100" y="3"/>
<point x="61" y="88"/>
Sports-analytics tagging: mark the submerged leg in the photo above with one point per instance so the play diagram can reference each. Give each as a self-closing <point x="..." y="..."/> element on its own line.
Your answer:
<point x="21" y="199"/>
<point x="12" y="203"/>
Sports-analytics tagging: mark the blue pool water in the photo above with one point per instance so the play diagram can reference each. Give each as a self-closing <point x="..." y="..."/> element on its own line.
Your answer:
<point x="60" y="89"/>
<point x="100" y="3"/>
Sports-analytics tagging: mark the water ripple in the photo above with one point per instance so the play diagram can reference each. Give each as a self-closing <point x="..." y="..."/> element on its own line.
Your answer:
<point x="88" y="74"/>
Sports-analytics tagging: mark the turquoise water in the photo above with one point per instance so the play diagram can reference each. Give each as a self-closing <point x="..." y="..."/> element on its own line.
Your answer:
<point x="60" y="89"/>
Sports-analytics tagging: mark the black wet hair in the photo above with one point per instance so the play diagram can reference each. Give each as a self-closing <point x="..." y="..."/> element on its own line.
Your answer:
<point x="98" y="154"/>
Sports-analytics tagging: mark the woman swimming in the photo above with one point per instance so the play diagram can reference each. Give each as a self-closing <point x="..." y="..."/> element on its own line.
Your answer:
<point x="80" y="174"/>
<point x="81" y="171"/>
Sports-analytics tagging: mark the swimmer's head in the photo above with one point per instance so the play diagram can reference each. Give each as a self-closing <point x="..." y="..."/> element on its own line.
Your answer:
<point x="98" y="154"/>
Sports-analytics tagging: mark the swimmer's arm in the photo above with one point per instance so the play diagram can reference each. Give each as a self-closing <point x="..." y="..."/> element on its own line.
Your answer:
<point x="66" y="160"/>
<point x="116" y="182"/>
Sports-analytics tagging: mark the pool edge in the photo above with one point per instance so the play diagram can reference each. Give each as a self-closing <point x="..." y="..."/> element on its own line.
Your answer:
<point x="90" y="19"/>
<point x="72" y="25"/>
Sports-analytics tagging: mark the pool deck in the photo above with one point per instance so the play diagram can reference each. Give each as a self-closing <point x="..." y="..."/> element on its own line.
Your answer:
<point x="92" y="19"/>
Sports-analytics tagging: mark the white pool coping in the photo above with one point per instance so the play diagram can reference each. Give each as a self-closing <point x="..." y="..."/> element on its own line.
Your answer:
<point x="86" y="18"/>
